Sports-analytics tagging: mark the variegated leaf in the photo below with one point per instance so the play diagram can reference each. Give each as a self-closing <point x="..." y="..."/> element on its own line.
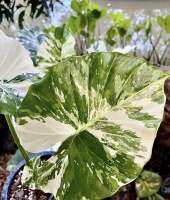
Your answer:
<point x="59" y="44"/>
<point x="105" y="108"/>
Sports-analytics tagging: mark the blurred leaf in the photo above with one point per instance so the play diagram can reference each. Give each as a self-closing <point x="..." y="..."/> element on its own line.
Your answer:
<point x="154" y="197"/>
<point x="121" y="22"/>
<point x="21" y="19"/>
<point x="74" y="24"/>
<point x="59" y="44"/>
<point x="164" y="22"/>
<point x="110" y="36"/>
<point x="148" y="27"/>
<point x="96" y="13"/>
<point x="37" y="8"/>
<point x="79" y="6"/>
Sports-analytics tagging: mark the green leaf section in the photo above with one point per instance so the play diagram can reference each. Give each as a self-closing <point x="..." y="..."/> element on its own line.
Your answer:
<point x="100" y="107"/>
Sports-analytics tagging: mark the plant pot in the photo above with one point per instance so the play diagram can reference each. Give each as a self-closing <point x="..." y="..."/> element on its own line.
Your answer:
<point x="10" y="180"/>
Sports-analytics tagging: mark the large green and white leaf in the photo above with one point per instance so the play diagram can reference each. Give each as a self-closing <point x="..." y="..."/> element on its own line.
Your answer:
<point x="59" y="44"/>
<point x="105" y="108"/>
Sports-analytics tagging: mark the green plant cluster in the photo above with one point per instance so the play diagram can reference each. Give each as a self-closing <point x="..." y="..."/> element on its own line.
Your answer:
<point x="37" y="8"/>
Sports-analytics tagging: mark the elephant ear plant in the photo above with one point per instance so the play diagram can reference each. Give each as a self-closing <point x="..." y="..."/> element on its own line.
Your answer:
<point x="103" y="108"/>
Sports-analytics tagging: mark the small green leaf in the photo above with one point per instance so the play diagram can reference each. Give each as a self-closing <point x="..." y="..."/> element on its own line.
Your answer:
<point x="74" y="24"/>
<point x="110" y="36"/>
<point x="121" y="22"/>
<point x="79" y="6"/>
<point x="148" y="184"/>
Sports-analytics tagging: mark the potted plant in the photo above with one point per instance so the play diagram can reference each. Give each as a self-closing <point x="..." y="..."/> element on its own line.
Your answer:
<point x="104" y="109"/>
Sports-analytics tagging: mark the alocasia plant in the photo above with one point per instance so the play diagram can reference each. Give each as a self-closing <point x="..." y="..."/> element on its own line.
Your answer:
<point x="104" y="109"/>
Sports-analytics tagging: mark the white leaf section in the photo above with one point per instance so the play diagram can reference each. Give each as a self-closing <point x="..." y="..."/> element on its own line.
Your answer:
<point x="146" y="135"/>
<point x="37" y="135"/>
<point x="14" y="59"/>
<point x="43" y="50"/>
<point x="54" y="184"/>
<point x="68" y="47"/>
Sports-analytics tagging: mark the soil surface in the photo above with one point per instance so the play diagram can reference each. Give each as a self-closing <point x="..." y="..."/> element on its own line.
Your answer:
<point x="18" y="191"/>
<point x="3" y="171"/>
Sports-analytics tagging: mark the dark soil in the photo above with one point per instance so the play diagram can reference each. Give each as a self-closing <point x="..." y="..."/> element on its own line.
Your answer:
<point x="3" y="172"/>
<point x="6" y="142"/>
<point x="18" y="191"/>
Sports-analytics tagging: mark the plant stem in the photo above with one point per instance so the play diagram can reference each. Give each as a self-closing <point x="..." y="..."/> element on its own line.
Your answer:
<point x="16" y="139"/>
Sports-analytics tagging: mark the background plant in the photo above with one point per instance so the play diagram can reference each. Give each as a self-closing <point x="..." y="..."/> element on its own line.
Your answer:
<point x="83" y="23"/>
<point x="37" y="8"/>
<point x="119" y="33"/>
<point x="148" y="185"/>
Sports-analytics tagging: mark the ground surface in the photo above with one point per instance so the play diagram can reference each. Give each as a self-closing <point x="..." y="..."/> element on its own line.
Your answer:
<point x="3" y="171"/>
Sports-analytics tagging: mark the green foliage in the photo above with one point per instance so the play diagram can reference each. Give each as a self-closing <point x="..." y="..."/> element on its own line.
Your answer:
<point x="37" y="8"/>
<point x="164" y="22"/>
<point x="120" y="27"/>
<point x="83" y="22"/>
<point x="146" y="26"/>
<point x="147" y="186"/>
<point x="7" y="10"/>
<point x="121" y="23"/>
<point x="110" y="36"/>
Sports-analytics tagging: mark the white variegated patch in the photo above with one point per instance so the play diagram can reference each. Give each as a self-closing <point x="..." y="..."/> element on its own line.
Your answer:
<point x="14" y="59"/>
<point x="38" y="135"/>
<point x="54" y="184"/>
